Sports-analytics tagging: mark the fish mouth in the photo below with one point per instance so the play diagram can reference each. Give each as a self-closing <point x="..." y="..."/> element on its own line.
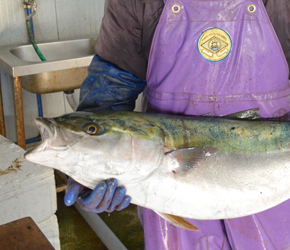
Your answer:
<point x="54" y="137"/>
<point x="44" y="127"/>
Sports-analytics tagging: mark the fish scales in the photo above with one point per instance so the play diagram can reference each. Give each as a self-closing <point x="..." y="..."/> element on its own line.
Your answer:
<point x="193" y="167"/>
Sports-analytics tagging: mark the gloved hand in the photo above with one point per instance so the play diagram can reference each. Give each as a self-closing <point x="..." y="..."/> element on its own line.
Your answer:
<point x="105" y="197"/>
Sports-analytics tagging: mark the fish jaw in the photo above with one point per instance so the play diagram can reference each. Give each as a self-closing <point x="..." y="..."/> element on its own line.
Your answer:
<point x="53" y="137"/>
<point x="54" y="141"/>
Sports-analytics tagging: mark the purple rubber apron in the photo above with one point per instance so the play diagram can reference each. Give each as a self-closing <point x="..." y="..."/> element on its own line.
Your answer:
<point x="217" y="58"/>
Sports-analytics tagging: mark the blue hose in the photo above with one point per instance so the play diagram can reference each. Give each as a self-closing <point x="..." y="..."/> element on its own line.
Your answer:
<point x="28" y="12"/>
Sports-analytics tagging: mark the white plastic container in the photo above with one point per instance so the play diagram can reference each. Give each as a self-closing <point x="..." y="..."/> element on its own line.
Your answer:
<point x="49" y="227"/>
<point x="26" y="189"/>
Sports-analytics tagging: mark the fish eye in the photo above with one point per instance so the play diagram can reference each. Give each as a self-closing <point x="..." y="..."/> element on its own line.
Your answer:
<point x="92" y="129"/>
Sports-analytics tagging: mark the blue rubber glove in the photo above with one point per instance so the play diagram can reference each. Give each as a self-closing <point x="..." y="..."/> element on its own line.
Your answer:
<point x="106" y="197"/>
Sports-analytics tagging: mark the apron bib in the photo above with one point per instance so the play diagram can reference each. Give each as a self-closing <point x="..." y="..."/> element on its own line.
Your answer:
<point x="216" y="58"/>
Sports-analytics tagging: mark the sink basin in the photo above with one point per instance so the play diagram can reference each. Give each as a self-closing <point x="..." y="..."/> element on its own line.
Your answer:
<point x="65" y="68"/>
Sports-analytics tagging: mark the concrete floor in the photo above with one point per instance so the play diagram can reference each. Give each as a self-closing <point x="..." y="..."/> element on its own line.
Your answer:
<point x="76" y="234"/>
<point x="126" y="226"/>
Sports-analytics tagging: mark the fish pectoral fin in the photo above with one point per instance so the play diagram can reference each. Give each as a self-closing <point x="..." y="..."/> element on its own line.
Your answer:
<point x="189" y="158"/>
<point x="177" y="221"/>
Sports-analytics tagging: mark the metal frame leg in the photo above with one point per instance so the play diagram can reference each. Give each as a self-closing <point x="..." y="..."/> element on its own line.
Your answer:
<point x="19" y="112"/>
<point x="2" y="120"/>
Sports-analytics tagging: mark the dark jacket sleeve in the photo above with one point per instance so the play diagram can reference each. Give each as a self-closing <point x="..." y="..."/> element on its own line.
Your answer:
<point x="108" y="87"/>
<point x="126" y="33"/>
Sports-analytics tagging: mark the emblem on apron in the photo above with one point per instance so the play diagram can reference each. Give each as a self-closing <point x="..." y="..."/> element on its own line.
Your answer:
<point x="214" y="44"/>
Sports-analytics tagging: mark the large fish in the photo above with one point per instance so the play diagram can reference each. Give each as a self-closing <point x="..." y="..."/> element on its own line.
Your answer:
<point x="192" y="167"/>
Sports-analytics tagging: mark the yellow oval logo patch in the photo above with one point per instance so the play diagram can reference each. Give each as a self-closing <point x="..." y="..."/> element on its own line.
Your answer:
<point x="214" y="44"/>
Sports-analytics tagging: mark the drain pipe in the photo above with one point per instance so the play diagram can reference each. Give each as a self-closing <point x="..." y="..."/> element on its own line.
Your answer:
<point x="70" y="99"/>
<point x="105" y="234"/>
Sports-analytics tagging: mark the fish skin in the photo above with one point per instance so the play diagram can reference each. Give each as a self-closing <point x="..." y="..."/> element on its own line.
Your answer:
<point x="193" y="167"/>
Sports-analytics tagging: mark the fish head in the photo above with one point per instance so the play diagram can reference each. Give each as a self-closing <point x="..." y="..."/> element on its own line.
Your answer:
<point x="90" y="148"/>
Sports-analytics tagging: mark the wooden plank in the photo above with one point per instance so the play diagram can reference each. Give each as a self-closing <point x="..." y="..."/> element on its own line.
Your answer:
<point x="23" y="234"/>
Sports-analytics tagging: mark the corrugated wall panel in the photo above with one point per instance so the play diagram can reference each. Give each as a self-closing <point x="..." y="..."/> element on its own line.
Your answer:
<point x="77" y="19"/>
<point x="12" y="26"/>
<point x="45" y="21"/>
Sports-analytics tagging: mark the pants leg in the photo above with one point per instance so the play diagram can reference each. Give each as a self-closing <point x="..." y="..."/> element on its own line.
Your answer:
<point x="268" y="230"/>
<point x="161" y="235"/>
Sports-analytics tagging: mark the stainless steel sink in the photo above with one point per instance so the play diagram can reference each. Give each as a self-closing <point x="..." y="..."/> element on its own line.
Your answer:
<point x="65" y="68"/>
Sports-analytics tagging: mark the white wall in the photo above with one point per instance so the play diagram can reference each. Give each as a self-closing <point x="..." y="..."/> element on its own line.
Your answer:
<point x="54" y="20"/>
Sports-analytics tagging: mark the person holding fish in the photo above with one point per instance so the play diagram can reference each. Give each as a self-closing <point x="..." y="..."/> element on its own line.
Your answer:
<point x="212" y="58"/>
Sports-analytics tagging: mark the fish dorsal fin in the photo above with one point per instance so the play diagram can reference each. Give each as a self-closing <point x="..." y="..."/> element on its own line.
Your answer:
<point x="177" y="221"/>
<point x="189" y="158"/>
